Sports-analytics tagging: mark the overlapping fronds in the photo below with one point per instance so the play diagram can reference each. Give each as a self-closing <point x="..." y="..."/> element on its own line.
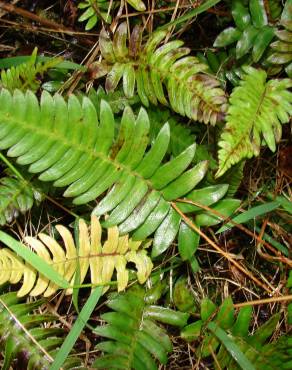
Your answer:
<point x="66" y="144"/>
<point x="16" y="196"/>
<point x="282" y="48"/>
<point x="157" y="70"/>
<point x="257" y="110"/>
<point x="26" y="76"/>
<point x="135" y="337"/>
<point x="252" y="30"/>
<point x="222" y="332"/>
<point x="101" y="259"/>
<point x="26" y="344"/>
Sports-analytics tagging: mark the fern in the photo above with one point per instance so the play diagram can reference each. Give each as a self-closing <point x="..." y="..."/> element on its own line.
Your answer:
<point x="26" y="76"/>
<point x="16" y="318"/>
<point x="64" y="143"/>
<point x="190" y="92"/>
<point x="257" y="109"/>
<point x="282" y="48"/>
<point x="16" y="196"/>
<point x="261" y="354"/>
<point x="252" y="30"/>
<point x="102" y="260"/>
<point x="135" y="337"/>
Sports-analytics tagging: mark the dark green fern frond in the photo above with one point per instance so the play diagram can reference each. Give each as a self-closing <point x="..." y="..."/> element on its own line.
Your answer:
<point x="16" y="196"/>
<point x="157" y="70"/>
<point x="26" y="76"/>
<point x="135" y="337"/>
<point x="255" y="348"/>
<point x="251" y="30"/>
<point x="65" y="143"/>
<point x="282" y="48"/>
<point x="257" y="110"/>
<point x="24" y="339"/>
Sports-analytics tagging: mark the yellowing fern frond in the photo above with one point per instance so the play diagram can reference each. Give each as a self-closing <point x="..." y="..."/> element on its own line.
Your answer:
<point x="257" y="110"/>
<point x="101" y="259"/>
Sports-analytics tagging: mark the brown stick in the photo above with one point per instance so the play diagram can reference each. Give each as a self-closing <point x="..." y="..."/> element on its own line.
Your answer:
<point x="221" y="251"/>
<point x="46" y="22"/>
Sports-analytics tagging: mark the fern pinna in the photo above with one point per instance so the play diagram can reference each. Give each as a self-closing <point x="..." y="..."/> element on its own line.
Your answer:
<point x="24" y="342"/>
<point x="66" y="144"/>
<point x="102" y="260"/>
<point x="190" y="91"/>
<point x="135" y="337"/>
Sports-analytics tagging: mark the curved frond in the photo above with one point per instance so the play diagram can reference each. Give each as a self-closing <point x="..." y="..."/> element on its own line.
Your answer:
<point x="257" y="110"/>
<point x="19" y="325"/>
<point x="135" y="337"/>
<point x="65" y="143"/>
<point x="101" y="259"/>
<point x="156" y="70"/>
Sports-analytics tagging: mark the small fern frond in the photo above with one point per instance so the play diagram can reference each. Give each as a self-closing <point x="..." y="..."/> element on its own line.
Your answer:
<point x="101" y="260"/>
<point x="16" y="196"/>
<point x="255" y="347"/>
<point x="157" y="70"/>
<point x="257" y="110"/>
<point x="24" y="340"/>
<point x="135" y="337"/>
<point x="282" y="48"/>
<point x="26" y="76"/>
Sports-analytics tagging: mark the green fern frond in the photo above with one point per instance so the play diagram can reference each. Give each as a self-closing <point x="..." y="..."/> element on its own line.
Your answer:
<point x="19" y="326"/>
<point x="282" y="48"/>
<point x="26" y="76"/>
<point x="256" y="348"/>
<point x="16" y="196"/>
<point x="257" y="110"/>
<point x="65" y="143"/>
<point x="157" y="70"/>
<point x="135" y="337"/>
<point x="251" y="30"/>
<point x="102" y="260"/>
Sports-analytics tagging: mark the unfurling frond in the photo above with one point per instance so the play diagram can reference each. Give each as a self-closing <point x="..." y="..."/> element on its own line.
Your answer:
<point x="157" y="70"/>
<point x="257" y="110"/>
<point x="101" y="259"/>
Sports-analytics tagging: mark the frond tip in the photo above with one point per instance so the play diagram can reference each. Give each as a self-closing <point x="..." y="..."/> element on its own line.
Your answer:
<point x="102" y="260"/>
<point x="257" y="110"/>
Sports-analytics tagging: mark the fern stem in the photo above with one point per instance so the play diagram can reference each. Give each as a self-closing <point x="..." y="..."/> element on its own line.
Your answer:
<point x="13" y="169"/>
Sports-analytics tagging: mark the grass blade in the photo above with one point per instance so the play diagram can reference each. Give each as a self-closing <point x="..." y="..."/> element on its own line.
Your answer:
<point x="251" y="214"/>
<point x="200" y="9"/>
<point x="231" y="347"/>
<point x="76" y="329"/>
